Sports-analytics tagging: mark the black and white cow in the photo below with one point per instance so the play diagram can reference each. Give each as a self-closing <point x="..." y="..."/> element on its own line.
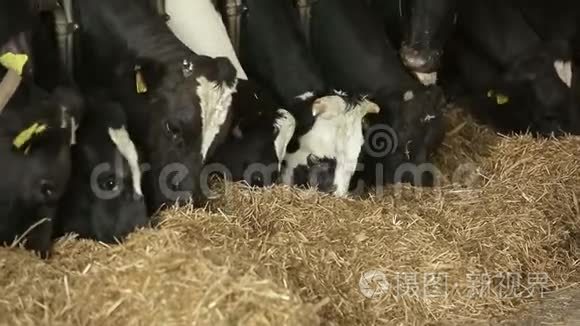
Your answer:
<point x="355" y="56"/>
<point x="104" y="199"/>
<point x="328" y="124"/>
<point x="256" y="144"/>
<point x="177" y="102"/>
<point x="518" y="65"/>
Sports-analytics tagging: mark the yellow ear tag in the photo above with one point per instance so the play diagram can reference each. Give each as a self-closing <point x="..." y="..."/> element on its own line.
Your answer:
<point x="13" y="61"/>
<point x="140" y="85"/>
<point x="502" y="99"/>
<point x="26" y="135"/>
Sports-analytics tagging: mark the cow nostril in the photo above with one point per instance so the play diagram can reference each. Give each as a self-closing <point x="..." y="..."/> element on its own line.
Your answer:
<point x="47" y="190"/>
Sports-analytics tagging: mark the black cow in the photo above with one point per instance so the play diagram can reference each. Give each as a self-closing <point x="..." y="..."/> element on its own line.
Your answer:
<point x="104" y="200"/>
<point x="519" y="66"/>
<point x="328" y="124"/>
<point x="257" y="142"/>
<point x="420" y="29"/>
<point x="177" y="102"/>
<point x="355" y="56"/>
<point x="35" y="135"/>
<point x="36" y="129"/>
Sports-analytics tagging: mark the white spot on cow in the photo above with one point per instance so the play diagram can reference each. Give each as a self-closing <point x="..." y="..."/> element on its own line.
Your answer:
<point x="429" y="117"/>
<point x="285" y="125"/>
<point x="409" y="95"/>
<point x="305" y="96"/>
<point x="336" y="134"/>
<point x="340" y="92"/>
<point x="74" y="127"/>
<point x="427" y="79"/>
<point x="200" y="27"/>
<point x="120" y="137"/>
<point x="215" y="102"/>
<point x="67" y="121"/>
<point x="564" y="71"/>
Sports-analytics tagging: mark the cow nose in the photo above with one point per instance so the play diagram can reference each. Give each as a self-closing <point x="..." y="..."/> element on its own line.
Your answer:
<point x="424" y="60"/>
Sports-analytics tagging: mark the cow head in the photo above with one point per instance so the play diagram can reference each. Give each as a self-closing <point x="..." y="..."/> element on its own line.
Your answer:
<point x="187" y="106"/>
<point x="542" y="80"/>
<point x="104" y="199"/>
<point x="329" y="150"/>
<point x="256" y="144"/>
<point x="402" y="138"/>
<point x="427" y="27"/>
<point x="36" y="132"/>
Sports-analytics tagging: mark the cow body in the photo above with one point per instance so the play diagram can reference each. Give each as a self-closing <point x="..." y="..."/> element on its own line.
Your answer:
<point x="104" y="199"/>
<point x="177" y="102"/>
<point x="345" y="32"/>
<point x="328" y="125"/>
<point x="529" y="70"/>
<point x="199" y="25"/>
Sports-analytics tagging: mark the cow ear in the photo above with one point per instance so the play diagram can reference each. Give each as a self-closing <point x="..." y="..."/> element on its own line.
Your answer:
<point x="370" y="107"/>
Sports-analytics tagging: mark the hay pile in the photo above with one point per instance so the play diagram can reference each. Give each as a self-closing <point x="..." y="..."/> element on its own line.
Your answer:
<point x="288" y="257"/>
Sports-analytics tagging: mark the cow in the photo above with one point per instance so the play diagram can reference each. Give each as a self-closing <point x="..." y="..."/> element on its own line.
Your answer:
<point x="355" y="56"/>
<point x="36" y="128"/>
<point x="420" y="30"/>
<point x="177" y="102"/>
<point x="35" y="135"/>
<point x="328" y="122"/>
<point x="261" y="130"/>
<point x="104" y="199"/>
<point x="525" y="69"/>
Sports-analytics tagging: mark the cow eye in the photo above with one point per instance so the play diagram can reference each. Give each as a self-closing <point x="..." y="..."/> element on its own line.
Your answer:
<point x="172" y="129"/>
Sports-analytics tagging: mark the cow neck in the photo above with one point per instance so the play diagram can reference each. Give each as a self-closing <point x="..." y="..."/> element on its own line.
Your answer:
<point x="132" y="24"/>
<point x="499" y="31"/>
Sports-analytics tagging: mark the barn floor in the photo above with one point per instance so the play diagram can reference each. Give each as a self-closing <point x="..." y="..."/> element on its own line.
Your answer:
<point x="483" y="250"/>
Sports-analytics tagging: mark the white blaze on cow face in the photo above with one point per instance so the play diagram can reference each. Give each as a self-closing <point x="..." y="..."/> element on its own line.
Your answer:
<point x="120" y="137"/>
<point x="564" y="71"/>
<point x="200" y="27"/>
<point x="409" y="95"/>
<point x="285" y="126"/>
<point x="427" y="79"/>
<point x="336" y="134"/>
<point x="215" y="102"/>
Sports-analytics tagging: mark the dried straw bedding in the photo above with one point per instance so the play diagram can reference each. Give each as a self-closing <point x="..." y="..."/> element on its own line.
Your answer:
<point x="288" y="257"/>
